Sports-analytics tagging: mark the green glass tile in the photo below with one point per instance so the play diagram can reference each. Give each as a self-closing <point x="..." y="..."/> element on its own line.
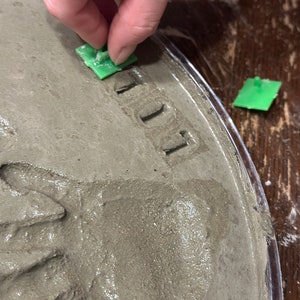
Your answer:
<point x="257" y="94"/>
<point x="100" y="62"/>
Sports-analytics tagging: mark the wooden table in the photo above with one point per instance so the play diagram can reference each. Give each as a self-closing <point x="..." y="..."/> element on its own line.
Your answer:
<point x="229" y="41"/>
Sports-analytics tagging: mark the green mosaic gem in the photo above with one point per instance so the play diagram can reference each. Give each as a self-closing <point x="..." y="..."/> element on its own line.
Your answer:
<point x="100" y="62"/>
<point x="257" y="94"/>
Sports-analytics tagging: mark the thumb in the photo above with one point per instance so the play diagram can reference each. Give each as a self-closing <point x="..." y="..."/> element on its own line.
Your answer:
<point x="134" y="22"/>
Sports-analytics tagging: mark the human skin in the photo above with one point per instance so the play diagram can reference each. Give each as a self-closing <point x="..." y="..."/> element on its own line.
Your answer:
<point x="98" y="22"/>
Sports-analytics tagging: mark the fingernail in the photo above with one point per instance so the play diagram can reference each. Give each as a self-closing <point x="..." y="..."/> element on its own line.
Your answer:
<point x="124" y="54"/>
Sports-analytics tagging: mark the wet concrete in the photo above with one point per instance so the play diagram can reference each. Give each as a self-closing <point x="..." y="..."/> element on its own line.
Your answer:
<point x="127" y="188"/>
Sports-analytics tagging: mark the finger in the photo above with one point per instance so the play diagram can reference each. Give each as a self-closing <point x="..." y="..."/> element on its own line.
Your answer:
<point x="83" y="16"/>
<point x="134" y="22"/>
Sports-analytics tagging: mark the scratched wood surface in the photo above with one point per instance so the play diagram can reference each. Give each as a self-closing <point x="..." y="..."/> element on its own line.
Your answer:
<point x="229" y="41"/>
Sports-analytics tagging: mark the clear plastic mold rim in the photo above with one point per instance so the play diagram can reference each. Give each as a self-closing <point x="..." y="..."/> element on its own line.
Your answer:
<point x="273" y="270"/>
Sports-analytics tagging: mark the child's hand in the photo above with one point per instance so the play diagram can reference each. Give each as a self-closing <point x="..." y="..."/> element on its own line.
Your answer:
<point x="101" y="21"/>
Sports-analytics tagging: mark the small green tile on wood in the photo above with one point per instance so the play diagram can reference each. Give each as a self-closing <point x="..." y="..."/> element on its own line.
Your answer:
<point x="257" y="94"/>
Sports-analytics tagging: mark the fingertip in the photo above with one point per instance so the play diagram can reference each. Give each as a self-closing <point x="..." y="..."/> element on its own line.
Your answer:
<point x="97" y="39"/>
<point x="92" y="28"/>
<point x="84" y="17"/>
<point x="133" y="23"/>
<point x="120" y="55"/>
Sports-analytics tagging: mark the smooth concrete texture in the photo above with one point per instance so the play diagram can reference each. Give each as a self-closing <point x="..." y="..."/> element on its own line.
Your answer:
<point x="127" y="188"/>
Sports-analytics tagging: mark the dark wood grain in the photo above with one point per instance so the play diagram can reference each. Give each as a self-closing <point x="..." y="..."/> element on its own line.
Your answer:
<point x="229" y="41"/>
